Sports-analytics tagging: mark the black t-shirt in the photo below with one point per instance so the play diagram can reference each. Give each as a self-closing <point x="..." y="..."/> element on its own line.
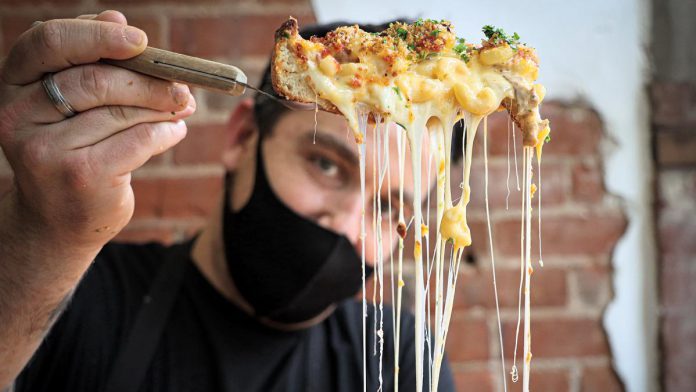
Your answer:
<point x="208" y="344"/>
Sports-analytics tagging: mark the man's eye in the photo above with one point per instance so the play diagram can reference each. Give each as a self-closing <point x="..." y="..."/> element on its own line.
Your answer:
<point x="327" y="167"/>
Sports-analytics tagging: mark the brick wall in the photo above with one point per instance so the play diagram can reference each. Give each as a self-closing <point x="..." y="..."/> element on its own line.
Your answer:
<point x="674" y="125"/>
<point x="176" y="191"/>
<point x="673" y="92"/>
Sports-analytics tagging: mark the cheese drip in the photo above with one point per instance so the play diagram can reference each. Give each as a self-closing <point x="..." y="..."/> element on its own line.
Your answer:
<point x="428" y="95"/>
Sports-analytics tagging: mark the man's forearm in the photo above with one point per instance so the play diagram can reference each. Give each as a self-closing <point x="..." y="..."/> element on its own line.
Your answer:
<point x="38" y="273"/>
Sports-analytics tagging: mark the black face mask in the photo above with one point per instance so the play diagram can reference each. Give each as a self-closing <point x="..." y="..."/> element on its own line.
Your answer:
<point x="288" y="268"/>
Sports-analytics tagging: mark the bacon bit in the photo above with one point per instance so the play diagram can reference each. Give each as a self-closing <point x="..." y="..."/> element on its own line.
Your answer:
<point x="401" y="230"/>
<point x="355" y="83"/>
<point x="359" y="138"/>
<point x="299" y="52"/>
<point x="325" y="52"/>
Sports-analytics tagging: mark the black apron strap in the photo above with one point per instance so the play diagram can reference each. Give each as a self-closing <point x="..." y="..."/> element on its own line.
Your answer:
<point x="133" y="360"/>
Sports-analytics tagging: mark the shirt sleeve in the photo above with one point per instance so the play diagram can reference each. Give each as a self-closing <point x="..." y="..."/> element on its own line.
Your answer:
<point x="77" y="352"/>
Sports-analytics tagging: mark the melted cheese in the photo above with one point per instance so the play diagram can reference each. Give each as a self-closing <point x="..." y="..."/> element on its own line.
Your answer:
<point x="363" y="75"/>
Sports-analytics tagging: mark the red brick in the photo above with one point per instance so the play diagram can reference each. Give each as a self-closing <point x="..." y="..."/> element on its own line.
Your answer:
<point x="544" y="380"/>
<point x="674" y="104"/>
<point x="574" y="130"/>
<point x="204" y="144"/>
<point x="229" y="36"/>
<point x="554" y="185"/>
<point x="588" y="183"/>
<point x="677" y="232"/>
<point x="475" y="288"/>
<point x="679" y="366"/>
<point x="467" y="340"/>
<point x="560" y="337"/>
<point x="677" y="277"/>
<point x="593" y="285"/>
<point x="600" y="379"/>
<point x="676" y="148"/>
<point x="151" y="26"/>
<point x="473" y="380"/>
<point x="134" y="235"/>
<point x="13" y="27"/>
<point x="176" y="197"/>
<point x="565" y="235"/>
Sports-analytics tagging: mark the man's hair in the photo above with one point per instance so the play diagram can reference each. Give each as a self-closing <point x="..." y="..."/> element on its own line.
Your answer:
<point x="267" y="111"/>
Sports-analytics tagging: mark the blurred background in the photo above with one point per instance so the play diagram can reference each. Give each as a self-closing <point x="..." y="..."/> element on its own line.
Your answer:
<point x="615" y="306"/>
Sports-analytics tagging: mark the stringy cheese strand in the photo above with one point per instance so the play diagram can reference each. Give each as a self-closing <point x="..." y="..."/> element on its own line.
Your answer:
<point x="415" y="146"/>
<point x="514" y="372"/>
<point x="375" y="249"/>
<point x="401" y="147"/>
<point x="541" y="261"/>
<point x="528" y="273"/>
<point x="514" y="149"/>
<point x="490" y="241"/>
<point x="507" y="181"/>
<point x="380" y="263"/>
<point x="361" y="157"/>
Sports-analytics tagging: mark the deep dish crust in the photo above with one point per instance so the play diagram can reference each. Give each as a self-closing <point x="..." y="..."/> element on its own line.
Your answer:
<point x="289" y="64"/>
<point x="287" y="73"/>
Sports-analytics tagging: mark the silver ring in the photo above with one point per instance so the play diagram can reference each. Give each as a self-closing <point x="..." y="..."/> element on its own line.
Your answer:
<point x="56" y="96"/>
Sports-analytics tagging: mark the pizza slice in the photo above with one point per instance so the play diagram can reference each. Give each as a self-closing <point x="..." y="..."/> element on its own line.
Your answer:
<point x="410" y="71"/>
<point x="424" y="78"/>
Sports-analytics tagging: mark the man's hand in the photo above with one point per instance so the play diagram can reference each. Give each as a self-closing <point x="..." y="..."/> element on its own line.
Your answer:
<point x="72" y="189"/>
<point x="73" y="175"/>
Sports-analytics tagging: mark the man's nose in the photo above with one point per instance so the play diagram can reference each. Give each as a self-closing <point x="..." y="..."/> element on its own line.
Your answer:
<point x="345" y="218"/>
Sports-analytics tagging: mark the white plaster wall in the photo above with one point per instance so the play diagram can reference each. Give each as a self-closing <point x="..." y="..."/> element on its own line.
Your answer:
<point x="592" y="50"/>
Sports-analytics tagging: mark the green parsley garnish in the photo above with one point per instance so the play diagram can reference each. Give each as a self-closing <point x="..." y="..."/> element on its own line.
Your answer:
<point x="435" y="33"/>
<point x="497" y="36"/>
<point x="462" y="49"/>
<point x="397" y="91"/>
<point x="419" y="22"/>
<point x="402" y="33"/>
<point x="286" y="34"/>
<point x="412" y="47"/>
<point x="547" y="139"/>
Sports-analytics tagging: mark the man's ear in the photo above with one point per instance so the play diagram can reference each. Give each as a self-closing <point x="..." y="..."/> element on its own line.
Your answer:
<point x="241" y="135"/>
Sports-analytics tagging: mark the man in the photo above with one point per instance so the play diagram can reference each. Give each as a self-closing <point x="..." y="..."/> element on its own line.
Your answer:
<point x="260" y="300"/>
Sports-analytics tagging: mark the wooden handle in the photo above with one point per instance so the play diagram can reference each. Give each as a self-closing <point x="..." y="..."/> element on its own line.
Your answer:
<point x="178" y="67"/>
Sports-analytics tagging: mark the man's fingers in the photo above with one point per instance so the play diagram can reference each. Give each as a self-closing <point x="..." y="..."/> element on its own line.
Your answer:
<point x="96" y="125"/>
<point x="90" y="86"/>
<point x="128" y="150"/>
<point x="112" y="16"/>
<point x="107" y="16"/>
<point x="58" y="44"/>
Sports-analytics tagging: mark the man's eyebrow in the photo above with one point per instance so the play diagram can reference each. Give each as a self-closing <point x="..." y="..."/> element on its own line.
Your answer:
<point x="334" y="143"/>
